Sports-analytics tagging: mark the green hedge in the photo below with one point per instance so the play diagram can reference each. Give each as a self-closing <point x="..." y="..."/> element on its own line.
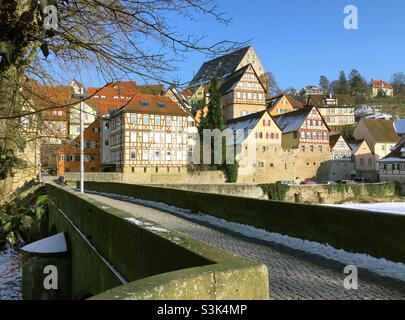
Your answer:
<point x="275" y="192"/>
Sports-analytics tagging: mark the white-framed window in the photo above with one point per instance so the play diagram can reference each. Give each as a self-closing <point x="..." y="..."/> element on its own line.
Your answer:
<point x="168" y="138"/>
<point x="133" y="119"/>
<point x="180" y="122"/>
<point x="157" y="120"/>
<point x="145" y="137"/>
<point x="168" y="121"/>
<point x="62" y="157"/>
<point x="157" y="138"/>
<point x="145" y="155"/>
<point x="133" y="136"/>
<point x="168" y="156"/>
<point x="156" y="155"/>
<point x="145" y="119"/>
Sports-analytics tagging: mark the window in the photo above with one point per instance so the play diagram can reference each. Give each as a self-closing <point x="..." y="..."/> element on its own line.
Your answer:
<point x="62" y="157"/>
<point x="157" y="120"/>
<point x="145" y="119"/>
<point x="161" y="105"/>
<point x="180" y="122"/>
<point x="168" y="121"/>
<point x="133" y="137"/>
<point x="106" y="142"/>
<point x="370" y="162"/>
<point x="168" y="138"/>
<point x="145" y="155"/>
<point x="144" y="103"/>
<point x="383" y="148"/>
<point x="132" y="155"/>
<point x="168" y="156"/>
<point x="362" y="162"/>
<point x="133" y="119"/>
<point x="156" y="156"/>
<point x="145" y="137"/>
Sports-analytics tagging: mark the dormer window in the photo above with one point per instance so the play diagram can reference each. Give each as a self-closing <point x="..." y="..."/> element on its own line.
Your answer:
<point x="161" y="105"/>
<point x="144" y="103"/>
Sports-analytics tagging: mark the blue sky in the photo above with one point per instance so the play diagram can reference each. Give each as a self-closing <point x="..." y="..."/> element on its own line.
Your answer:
<point x="299" y="40"/>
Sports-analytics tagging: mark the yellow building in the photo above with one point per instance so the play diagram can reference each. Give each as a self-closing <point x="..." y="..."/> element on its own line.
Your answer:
<point x="380" y="136"/>
<point x="257" y="144"/>
<point x="381" y="88"/>
<point x="282" y="104"/>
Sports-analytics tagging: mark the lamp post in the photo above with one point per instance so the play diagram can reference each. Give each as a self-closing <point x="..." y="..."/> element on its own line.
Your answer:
<point x="81" y="96"/>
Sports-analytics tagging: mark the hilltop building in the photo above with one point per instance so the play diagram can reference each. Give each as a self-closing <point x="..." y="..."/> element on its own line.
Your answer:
<point x="381" y="88"/>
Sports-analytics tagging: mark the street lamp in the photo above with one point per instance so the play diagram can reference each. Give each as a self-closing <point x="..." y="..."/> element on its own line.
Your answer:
<point x="81" y="96"/>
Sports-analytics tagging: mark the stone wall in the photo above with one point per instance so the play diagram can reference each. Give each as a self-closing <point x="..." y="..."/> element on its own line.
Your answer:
<point x="307" y="194"/>
<point x="379" y="235"/>
<point x="206" y="177"/>
<point x="158" y="264"/>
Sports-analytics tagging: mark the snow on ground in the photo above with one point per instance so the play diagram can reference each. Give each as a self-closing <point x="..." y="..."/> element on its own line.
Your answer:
<point x="382" y="267"/>
<point x="390" y="207"/>
<point x="10" y="275"/>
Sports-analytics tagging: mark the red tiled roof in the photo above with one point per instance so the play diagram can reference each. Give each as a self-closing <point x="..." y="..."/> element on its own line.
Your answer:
<point x="381" y="84"/>
<point x="153" y="107"/>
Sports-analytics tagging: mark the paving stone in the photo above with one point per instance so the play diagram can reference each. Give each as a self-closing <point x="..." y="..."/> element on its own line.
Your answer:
<point x="291" y="276"/>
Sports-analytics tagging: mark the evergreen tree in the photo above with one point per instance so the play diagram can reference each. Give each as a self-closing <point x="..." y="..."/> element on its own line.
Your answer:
<point x="358" y="85"/>
<point x="342" y="85"/>
<point x="324" y="84"/>
<point x="214" y="117"/>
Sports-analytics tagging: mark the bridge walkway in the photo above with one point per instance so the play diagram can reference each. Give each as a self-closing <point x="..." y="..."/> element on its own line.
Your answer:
<point x="293" y="274"/>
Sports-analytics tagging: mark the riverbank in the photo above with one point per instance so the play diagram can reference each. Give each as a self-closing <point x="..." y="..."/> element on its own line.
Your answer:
<point x="10" y="274"/>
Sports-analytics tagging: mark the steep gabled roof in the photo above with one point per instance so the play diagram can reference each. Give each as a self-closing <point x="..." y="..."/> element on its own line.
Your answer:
<point x="381" y="130"/>
<point x="273" y="101"/>
<point x="335" y="138"/>
<point x="292" y="121"/>
<point x="356" y="144"/>
<point x="156" y="104"/>
<point x="219" y="67"/>
<point x="381" y="84"/>
<point x="232" y="80"/>
<point x="244" y="125"/>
